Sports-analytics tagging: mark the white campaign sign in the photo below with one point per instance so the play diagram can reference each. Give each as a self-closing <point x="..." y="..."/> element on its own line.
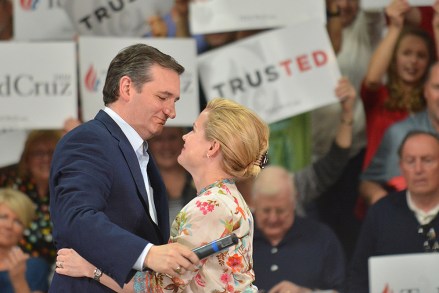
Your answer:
<point x="233" y="15"/>
<point x="128" y="18"/>
<point x="164" y="6"/>
<point x="41" y="20"/>
<point x="279" y="74"/>
<point x="374" y="4"/>
<point x="11" y="146"/>
<point x="96" y="54"/>
<point x="402" y="273"/>
<point x="38" y="85"/>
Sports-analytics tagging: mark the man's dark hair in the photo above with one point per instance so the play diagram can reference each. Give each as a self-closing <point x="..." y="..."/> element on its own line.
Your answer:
<point x="135" y="62"/>
<point x="415" y="133"/>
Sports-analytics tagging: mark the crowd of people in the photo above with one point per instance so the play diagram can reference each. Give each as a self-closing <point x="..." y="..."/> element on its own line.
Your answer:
<point x="118" y="203"/>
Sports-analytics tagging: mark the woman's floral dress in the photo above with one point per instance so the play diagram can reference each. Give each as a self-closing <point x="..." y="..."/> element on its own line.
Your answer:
<point x="217" y="211"/>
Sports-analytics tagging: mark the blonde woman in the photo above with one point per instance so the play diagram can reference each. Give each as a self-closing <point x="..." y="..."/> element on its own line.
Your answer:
<point x="18" y="272"/>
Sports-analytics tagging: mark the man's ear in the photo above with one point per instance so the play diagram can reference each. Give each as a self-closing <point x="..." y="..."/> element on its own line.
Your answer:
<point x="125" y="88"/>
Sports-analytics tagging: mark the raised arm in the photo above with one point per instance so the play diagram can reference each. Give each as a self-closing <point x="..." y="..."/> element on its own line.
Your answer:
<point x="382" y="56"/>
<point x="315" y="179"/>
<point x="345" y="91"/>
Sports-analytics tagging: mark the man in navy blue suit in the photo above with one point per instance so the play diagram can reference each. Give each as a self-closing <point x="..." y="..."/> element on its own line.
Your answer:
<point x="108" y="201"/>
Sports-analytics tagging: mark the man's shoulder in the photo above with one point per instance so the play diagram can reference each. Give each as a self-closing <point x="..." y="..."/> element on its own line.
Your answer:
<point x="314" y="233"/>
<point x="92" y="127"/>
<point x="418" y="120"/>
<point x="391" y="202"/>
<point x="308" y="224"/>
<point x="398" y="130"/>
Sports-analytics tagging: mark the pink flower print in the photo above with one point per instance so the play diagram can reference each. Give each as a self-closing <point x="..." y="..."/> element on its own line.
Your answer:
<point x="235" y="263"/>
<point x="200" y="282"/>
<point x="206" y="206"/>
<point x="226" y="278"/>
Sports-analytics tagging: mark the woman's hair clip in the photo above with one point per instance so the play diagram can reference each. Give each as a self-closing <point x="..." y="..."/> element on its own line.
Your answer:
<point x="264" y="160"/>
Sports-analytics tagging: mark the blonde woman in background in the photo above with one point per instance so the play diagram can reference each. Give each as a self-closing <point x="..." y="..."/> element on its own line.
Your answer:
<point x="19" y="273"/>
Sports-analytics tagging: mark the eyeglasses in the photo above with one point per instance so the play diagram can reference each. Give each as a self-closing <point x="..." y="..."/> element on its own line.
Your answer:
<point x="39" y="154"/>
<point x="431" y="243"/>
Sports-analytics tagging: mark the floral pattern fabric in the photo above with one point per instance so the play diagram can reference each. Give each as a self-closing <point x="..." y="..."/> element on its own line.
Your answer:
<point x="217" y="211"/>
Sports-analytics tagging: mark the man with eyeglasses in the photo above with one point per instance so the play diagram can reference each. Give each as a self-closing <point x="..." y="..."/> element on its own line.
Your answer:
<point x="405" y="221"/>
<point x="291" y="254"/>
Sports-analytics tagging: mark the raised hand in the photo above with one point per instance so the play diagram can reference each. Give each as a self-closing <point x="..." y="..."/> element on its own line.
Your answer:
<point x="396" y="12"/>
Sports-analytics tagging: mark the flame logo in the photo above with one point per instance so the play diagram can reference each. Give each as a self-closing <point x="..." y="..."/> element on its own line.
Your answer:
<point x="387" y="289"/>
<point x="29" y="4"/>
<point x="91" y="81"/>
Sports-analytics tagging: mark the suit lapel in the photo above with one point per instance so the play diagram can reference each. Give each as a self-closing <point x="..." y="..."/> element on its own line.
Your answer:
<point x="129" y="154"/>
<point x="156" y="182"/>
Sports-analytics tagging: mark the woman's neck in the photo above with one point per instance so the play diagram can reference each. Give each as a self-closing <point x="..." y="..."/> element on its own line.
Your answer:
<point x="42" y="189"/>
<point x="209" y="178"/>
<point x="41" y="186"/>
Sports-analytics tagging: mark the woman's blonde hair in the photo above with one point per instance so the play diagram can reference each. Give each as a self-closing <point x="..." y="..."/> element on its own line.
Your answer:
<point x="19" y="203"/>
<point x="242" y="134"/>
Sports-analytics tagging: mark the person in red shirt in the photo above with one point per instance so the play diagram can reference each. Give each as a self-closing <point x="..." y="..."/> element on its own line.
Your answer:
<point x="392" y="87"/>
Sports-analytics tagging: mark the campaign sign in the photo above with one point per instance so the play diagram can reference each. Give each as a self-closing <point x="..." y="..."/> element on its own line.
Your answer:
<point x="233" y="15"/>
<point x="96" y="53"/>
<point x="374" y="4"/>
<point x="41" y="20"/>
<point x="279" y="74"/>
<point x="12" y="146"/>
<point x="38" y="85"/>
<point x="125" y="18"/>
<point x="414" y="273"/>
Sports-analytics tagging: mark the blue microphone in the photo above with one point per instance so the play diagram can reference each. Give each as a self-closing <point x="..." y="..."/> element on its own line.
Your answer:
<point x="216" y="246"/>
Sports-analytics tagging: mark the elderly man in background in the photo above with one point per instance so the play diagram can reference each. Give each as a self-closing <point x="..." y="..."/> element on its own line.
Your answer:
<point x="291" y="254"/>
<point x="404" y="221"/>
